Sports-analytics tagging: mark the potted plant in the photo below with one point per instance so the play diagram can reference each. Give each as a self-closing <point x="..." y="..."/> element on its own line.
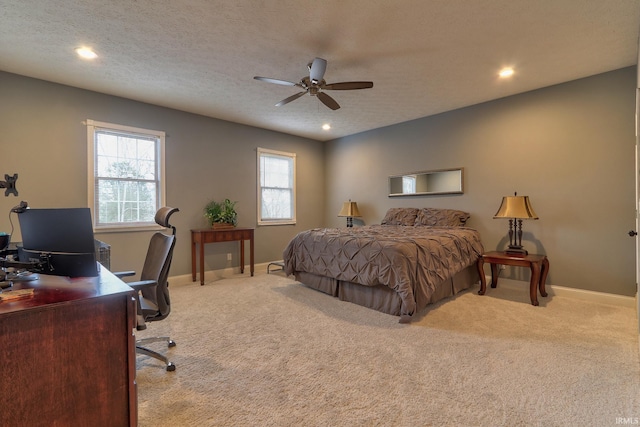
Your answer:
<point x="221" y="214"/>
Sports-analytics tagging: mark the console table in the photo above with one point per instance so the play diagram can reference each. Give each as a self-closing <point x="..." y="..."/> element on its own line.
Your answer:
<point x="68" y="353"/>
<point x="210" y="235"/>
<point x="539" y="265"/>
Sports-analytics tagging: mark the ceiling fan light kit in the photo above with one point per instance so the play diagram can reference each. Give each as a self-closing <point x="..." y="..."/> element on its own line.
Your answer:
<point x="314" y="85"/>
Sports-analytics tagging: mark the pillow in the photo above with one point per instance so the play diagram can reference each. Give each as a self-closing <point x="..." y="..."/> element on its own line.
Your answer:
<point x="441" y="217"/>
<point x="400" y="216"/>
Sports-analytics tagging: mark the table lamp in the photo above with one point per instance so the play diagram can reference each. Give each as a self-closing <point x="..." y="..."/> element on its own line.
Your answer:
<point x="515" y="208"/>
<point x="349" y="209"/>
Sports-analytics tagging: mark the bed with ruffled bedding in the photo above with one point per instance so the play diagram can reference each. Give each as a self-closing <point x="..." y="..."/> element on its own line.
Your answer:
<point x="415" y="257"/>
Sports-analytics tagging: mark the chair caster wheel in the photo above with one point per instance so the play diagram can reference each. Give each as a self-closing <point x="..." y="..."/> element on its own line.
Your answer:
<point x="171" y="367"/>
<point x="171" y="343"/>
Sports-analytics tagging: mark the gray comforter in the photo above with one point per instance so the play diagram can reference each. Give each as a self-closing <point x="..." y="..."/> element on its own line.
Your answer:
<point x="411" y="260"/>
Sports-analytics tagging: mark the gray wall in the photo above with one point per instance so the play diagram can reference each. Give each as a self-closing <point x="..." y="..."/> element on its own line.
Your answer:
<point x="44" y="140"/>
<point x="569" y="147"/>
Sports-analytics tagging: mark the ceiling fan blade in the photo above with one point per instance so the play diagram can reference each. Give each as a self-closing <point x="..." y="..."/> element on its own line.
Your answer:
<point x="276" y="81"/>
<point x="318" y="67"/>
<point x="328" y="101"/>
<point x="347" y="85"/>
<point x="289" y="99"/>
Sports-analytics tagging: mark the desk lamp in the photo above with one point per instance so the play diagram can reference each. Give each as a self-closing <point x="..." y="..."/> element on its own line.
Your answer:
<point x="349" y="209"/>
<point x="515" y="208"/>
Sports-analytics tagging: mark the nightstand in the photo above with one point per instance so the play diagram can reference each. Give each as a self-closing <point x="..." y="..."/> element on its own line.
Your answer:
<point x="539" y="265"/>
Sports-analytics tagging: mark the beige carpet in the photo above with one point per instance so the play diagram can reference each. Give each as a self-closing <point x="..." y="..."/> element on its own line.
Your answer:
<point x="266" y="351"/>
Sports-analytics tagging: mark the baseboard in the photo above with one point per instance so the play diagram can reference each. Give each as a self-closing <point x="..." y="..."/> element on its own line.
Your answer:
<point x="581" y="294"/>
<point x="561" y="291"/>
<point x="213" y="275"/>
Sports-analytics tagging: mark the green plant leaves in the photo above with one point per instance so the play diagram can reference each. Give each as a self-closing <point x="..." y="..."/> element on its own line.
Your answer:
<point x="221" y="212"/>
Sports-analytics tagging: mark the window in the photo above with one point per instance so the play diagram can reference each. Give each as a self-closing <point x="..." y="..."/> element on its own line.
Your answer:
<point x="126" y="176"/>
<point x="409" y="184"/>
<point x="276" y="187"/>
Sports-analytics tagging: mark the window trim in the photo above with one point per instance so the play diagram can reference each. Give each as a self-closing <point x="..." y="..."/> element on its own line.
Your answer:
<point x="288" y="221"/>
<point x="92" y="126"/>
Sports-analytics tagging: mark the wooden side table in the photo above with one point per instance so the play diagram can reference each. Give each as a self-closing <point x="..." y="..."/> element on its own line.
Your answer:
<point x="539" y="265"/>
<point x="209" y="235"/>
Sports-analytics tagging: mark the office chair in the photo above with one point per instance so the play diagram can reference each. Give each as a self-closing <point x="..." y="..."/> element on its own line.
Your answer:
<point x="153" y="301"/>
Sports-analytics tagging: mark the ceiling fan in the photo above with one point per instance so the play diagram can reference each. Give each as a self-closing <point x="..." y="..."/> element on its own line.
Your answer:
<point x="315" y="84"/>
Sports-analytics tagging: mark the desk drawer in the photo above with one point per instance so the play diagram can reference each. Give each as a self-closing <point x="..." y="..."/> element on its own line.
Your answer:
<point x="230" y="235"/>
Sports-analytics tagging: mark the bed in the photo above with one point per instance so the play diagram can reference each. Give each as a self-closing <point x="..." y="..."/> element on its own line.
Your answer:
<point x="415" y="257"/>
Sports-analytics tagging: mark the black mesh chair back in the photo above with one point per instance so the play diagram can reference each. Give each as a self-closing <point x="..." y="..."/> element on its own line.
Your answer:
<point x="155" y="301"/>
<point x="153" y="287"/>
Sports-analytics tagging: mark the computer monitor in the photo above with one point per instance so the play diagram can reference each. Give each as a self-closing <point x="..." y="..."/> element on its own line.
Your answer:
<point x="64" y="236"/>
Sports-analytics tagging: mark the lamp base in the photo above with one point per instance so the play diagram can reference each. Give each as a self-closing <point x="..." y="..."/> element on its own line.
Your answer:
<point x="516" y="250"/>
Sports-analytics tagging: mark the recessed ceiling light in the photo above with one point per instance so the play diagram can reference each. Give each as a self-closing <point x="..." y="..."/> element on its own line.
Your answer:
<point x="326" y="126"/>
<point x="86" y="53"/>
<point x="506" y="72"/>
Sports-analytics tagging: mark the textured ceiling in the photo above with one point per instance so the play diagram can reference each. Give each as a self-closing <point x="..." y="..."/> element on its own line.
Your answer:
<point x="424" y="57"/>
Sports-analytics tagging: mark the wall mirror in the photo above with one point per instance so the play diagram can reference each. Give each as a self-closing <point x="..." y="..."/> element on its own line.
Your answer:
<point x="443" y="181"/>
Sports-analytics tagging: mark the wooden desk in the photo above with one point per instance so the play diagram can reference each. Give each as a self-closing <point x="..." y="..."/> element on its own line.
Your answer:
<point x="539" y="265"/>
<point x="68" y="353"/>
<point x="209" y="235"/>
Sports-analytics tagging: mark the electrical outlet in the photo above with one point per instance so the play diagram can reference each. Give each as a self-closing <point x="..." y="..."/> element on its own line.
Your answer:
<point x="503" y="267"/>
<point x="229" y="257"/>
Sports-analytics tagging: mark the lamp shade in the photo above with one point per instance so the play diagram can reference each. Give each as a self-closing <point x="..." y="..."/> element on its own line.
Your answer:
<point x="518" y="207"/>
<point x="349" y="209"/>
